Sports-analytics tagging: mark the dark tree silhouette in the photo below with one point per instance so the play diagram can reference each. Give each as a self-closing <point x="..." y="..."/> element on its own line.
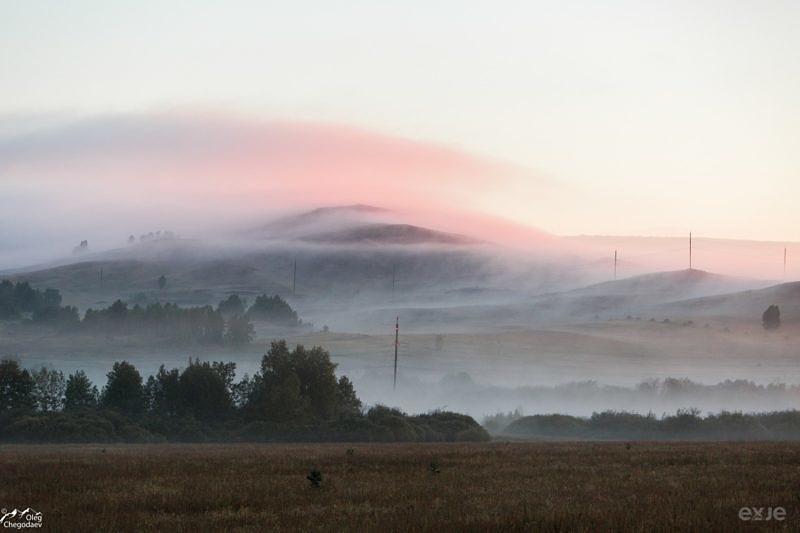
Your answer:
<point x="232" y="306"/>
<point x="79" y="392"/>
<point x="771" y="319"/>
<point x="16" y="386"/>
<point x="124" y="391"/>
<point x="300" y="385"/>
<point x="203" y="391"/>
<point x="163" y="393"/>
<point x="162" y="282"/>
<point x="273" y="309"/>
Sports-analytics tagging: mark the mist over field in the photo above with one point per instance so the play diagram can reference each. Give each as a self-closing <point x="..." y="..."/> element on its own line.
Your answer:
<point x="485" y="327"/>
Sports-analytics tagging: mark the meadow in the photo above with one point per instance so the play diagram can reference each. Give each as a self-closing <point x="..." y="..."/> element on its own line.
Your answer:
<point x="510" y="486"/>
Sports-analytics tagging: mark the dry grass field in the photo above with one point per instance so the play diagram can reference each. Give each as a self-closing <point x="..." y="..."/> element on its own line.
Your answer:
<point x="393" y="487"/>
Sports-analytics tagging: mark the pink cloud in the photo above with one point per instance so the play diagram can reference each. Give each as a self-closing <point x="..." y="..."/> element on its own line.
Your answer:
<point x="246" y="163"/>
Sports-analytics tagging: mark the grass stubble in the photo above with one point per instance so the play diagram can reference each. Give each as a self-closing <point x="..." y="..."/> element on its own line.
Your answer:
<point x="509" y="486"/>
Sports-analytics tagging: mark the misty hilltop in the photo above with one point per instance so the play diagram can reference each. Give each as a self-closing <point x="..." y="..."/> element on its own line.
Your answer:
<point x="390" y="234"/>
<point x="355" y="224"/>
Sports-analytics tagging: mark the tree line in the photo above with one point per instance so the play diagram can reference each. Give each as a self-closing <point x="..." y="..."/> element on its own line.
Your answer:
<point x="295" y="395"/>
<point x="229" y="323"/>
<point x="685" y="424"/>
<point x="19" y="299"/>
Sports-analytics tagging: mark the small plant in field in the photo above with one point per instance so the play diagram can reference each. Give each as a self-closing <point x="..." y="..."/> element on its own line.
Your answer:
<point x="628" y="446"/>
<point x="434" y="467"/>
<point x="315" y="477"/>
<point x="350" y="452"/>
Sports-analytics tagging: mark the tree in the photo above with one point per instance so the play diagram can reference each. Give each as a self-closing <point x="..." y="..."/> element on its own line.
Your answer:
<point x="273" y="309"/>
<point x="124" y="391"/>
<point x="66" y="317"/>
<point x="163" y="393"/>
<point x="79" y="392"/>
<point x="240" y="330"/>
<point x="232" y="306"/>
<point x="162" y="282"/>
<point x="16" y="386"/>
<point x="299" y="385"/>
<point x="227" y="371"/>
<point x="203" y="390"/>
<point x="48" y="389"/>
<point x="348" y="402"/>
<point x="27" y="299"/>
<point x="118" y="311"/>
<point x="771" y="319"/>
<point x="7" y="300"/>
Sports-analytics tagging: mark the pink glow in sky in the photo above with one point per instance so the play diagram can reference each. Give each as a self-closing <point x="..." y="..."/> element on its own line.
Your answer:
<point x="169" y="166"/>
<point x="122" y="174"/>
<point x="631" y="118"/>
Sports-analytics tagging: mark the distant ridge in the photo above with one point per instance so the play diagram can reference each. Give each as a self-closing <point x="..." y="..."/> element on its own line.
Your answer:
<point x="357" y="224"/>
<point x="748" y="303"/>
<point x="341" y="215"/>
<point x="358" y="208"/>
<point x="677" y="283"/>
<point x="390" y="234"/>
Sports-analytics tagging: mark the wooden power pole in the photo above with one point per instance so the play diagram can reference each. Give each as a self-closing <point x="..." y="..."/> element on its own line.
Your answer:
<point x="396" y="344"/>
<point x="394" y="277"/>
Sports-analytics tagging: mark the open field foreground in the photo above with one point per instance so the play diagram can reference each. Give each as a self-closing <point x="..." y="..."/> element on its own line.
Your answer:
<point x="488" y="486"/>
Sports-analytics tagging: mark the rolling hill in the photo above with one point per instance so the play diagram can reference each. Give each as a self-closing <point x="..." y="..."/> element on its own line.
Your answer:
<point x="747" y="304"/>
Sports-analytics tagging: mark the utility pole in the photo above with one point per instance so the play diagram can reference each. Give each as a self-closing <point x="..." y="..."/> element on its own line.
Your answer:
<point x="294" y="279"/>
<point x="615" y="264"/>
<point x="784" y="262"/>
<point x="690" y="250"/>
<point x="396" y="343"/>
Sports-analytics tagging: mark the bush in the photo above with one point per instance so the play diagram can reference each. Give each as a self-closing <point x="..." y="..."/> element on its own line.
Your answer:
<point x="771" y="319"/>
<point x="273" y="309"/>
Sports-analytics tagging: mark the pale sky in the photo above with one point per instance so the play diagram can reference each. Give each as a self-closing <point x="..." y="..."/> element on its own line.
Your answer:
<point x="627" y="117"/>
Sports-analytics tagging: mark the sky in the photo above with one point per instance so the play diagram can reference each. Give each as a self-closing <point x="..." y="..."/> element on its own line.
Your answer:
<point x="574" y="117"/>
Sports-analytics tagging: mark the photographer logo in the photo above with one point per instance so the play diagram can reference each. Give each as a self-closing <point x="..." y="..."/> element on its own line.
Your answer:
<point x="759" y="514"/>
<point x="25" y="519"/>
